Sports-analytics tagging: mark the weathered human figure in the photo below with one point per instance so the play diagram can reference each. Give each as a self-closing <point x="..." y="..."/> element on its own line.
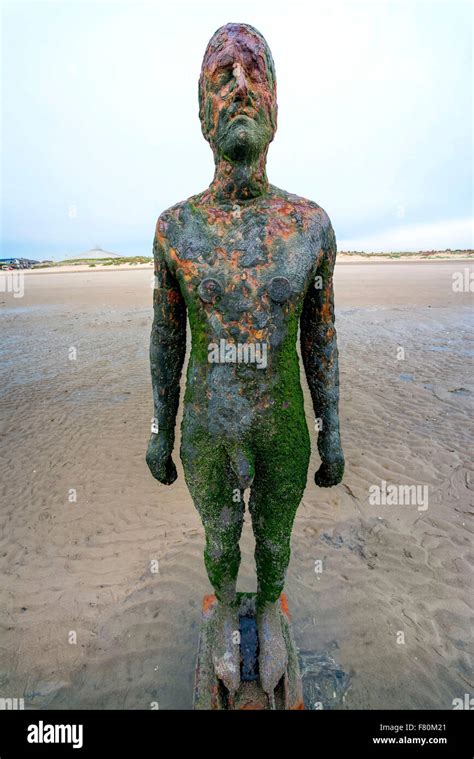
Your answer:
<point x="246" y="261"/>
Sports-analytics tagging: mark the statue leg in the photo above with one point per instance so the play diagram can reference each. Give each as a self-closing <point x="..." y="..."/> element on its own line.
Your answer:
<point x="215" y="491"/>
<point x="280" y="480"/>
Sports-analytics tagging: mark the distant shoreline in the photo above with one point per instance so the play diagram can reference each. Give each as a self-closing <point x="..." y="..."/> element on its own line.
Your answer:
<point x="344" y="257"/>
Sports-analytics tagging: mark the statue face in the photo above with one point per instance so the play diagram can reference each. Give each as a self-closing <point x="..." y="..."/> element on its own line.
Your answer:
<point x="238" y="94"/>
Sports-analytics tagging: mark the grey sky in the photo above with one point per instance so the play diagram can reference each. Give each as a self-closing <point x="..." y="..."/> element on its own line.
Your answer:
<point x="100" y="128"/>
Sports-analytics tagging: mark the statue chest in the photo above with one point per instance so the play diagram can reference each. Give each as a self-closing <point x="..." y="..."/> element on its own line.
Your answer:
<point x="243" y="270"/>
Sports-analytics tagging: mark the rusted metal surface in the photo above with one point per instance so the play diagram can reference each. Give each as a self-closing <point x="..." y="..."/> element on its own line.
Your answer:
<point x="208" y="692"/>
<point x="247" y="262"/>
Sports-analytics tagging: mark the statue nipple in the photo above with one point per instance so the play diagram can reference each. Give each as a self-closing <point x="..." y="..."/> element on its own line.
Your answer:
<point x="210" y="290"/>
<point x="279" y="289"/>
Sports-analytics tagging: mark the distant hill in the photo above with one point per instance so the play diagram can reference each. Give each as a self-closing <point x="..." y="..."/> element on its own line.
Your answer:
<point x="96" y="254"/>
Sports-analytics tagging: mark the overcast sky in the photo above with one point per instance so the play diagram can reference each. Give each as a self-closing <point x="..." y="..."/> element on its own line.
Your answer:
<point x="100" y="128"/>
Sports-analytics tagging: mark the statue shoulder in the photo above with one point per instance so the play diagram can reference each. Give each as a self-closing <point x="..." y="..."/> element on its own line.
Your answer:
<point x="172" y="219"/>
<point x="312" y="215"/>
<point x="311" y="210"/>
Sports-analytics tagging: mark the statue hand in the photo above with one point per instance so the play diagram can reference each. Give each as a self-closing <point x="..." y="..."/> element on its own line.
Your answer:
<point x="158" y="458"/>
<point x="330" y="474"/>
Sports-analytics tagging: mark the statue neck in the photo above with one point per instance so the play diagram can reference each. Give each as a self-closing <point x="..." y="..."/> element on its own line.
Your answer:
<point x="239" y="181"/>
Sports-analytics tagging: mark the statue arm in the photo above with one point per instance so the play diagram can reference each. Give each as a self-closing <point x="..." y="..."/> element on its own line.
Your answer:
<point x="167" y="350"/>
<point x="320" y="359"/>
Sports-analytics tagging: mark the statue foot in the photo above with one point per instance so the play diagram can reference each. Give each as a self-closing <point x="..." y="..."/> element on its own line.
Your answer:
<point x="225" y="648"/>
<point x="273" y="654"/>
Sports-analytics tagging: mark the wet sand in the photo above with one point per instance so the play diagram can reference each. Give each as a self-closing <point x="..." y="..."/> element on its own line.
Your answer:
<point x="393" y="604"/>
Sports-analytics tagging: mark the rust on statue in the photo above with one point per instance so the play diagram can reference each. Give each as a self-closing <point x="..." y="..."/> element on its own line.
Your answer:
<point x="247" y="263"/>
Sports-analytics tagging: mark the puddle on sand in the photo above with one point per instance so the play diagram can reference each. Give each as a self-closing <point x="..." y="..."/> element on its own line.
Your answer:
<point x="325" y="685"/>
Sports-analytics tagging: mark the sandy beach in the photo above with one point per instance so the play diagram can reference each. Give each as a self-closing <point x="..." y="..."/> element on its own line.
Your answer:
<point x="86" y="623"/>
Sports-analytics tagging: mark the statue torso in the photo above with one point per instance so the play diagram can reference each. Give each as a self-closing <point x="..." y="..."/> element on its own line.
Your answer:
<point x="243" y="270"/>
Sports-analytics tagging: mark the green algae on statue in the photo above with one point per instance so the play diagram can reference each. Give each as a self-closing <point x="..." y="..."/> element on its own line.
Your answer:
<point x="248" y="263"/>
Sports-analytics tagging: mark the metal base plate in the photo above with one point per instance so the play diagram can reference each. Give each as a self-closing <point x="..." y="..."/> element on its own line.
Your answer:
<point x="210" y="693"/>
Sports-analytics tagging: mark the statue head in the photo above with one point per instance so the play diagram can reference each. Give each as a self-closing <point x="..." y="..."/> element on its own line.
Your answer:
<point x="237" y="94"/>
